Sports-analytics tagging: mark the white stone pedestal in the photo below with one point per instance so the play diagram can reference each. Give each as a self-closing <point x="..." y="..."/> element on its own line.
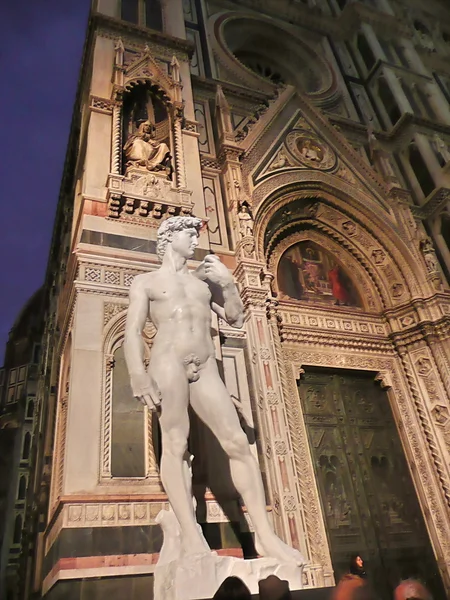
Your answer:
<point x="198" y="576"/>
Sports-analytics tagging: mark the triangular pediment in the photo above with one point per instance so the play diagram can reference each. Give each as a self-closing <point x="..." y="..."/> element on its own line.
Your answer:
<point x="294" y="137"/>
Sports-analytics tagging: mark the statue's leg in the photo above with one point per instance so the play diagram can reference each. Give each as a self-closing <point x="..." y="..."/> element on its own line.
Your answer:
<point x="175" y="460"/>
<point x="211" y="401"/>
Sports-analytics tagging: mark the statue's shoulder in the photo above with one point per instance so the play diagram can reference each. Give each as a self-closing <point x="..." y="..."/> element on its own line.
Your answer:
<point x="143" y="281"/>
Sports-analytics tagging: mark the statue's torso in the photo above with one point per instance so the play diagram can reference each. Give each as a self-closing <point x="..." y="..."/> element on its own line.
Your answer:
<point x="180" y="309"/>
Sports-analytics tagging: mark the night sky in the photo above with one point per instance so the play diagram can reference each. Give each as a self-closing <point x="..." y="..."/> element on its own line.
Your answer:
<point x="40" y="52"/>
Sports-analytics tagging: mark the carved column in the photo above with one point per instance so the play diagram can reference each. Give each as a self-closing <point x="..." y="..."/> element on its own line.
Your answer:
<point x="178" y="150"/>
<point x="116" y="138"/>
<point x="107" y="418"/>
<point x="229" y="153"/>
<point x="152" y="466"/>
<point x="266" y="360"/>
<point x="413" y="369"/>
<point x="60" y="445"/>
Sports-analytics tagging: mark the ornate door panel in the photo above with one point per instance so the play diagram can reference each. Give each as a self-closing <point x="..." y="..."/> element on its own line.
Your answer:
<point x="368" y="498"/>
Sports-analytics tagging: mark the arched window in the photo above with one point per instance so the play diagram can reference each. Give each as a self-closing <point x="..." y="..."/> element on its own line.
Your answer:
<point x="130" y="11"/>
<point x="26" y="446"/>
<point x="420" y="169"/>
<point x="17" y="536"/>
<point x="30" y="409"/>
<point x="388" y="100"/>
<point x="153" y="15"/>
<point x="365" y="51"/>
<point x="128" y="424"/>
<point x="22" y="488"/>
<point x="147" y="13"/>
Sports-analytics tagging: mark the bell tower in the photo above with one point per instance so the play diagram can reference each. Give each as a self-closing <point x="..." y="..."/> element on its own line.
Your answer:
<point x="312" y="137"/>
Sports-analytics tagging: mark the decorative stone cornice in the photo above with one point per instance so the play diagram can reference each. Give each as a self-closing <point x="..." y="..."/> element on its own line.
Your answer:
<point x="405" y="128"/>
<point x="209" y="87"/>
<point x="144" y="34"/>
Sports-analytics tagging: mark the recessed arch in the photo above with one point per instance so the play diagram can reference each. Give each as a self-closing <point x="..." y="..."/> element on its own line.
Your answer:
<point x="372" y="239"/>
<point x="113" y="338"/>
<point x="365" y="295"/>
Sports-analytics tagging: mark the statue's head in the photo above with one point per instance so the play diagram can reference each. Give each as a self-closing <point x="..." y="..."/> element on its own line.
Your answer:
<point x="181" y="232"/>
<point x="146" y="128"/>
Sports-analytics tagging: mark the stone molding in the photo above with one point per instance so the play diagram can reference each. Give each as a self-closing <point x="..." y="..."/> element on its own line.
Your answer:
<point x="419" y="439"/>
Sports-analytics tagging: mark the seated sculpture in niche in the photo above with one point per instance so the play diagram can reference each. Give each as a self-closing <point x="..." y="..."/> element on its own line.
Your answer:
<point x="146" y="129"/>
<point x="143" y="150"/>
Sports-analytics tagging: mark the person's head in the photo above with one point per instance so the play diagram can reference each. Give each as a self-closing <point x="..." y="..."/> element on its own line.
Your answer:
<point x="232" y="588"/>
<point x="357" y="565"/>
<point x="181" y="232"/>
<point x="274" y="588"/>
<point x="411" y="589"/>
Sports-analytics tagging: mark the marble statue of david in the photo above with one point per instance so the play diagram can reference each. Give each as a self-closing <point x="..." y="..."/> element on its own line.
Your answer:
<point x="183" y="371"/>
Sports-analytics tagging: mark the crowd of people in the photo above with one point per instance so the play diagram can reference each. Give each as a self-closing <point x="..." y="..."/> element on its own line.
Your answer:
<point x="353" y="585"/>
<point x="271" y="588"/>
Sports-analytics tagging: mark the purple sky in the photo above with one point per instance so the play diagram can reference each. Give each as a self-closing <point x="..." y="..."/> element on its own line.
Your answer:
<point x="40" y="53"/>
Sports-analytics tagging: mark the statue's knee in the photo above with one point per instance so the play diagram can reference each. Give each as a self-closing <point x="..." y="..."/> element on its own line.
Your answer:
<point x="236" y="445"/>
<point x="175" y="444"/>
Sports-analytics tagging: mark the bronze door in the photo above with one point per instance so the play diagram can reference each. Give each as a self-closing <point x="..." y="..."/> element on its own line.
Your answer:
<point x="368" y="498"/>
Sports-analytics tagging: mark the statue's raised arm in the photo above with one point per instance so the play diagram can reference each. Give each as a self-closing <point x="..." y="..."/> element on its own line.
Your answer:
<point x="225" y="299"/>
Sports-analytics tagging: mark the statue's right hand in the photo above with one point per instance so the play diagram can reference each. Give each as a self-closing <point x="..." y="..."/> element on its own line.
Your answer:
<point x="145" y="389"/>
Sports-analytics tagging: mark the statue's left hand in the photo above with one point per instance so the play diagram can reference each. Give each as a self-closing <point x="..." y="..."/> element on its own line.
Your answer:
<point x="217" y="272"/>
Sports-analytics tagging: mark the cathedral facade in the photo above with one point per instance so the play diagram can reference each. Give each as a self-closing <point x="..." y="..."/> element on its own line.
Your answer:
<point x="312" y="137"/>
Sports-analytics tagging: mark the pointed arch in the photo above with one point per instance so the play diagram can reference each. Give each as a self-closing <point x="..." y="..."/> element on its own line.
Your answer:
<point x="22" y="488"/>
<point x="17" y="535"/>
<point x="26" y="448"/>
<point x="367" y="298"/>
<point x="355" y="221"/>
<point x="114" y="332"/>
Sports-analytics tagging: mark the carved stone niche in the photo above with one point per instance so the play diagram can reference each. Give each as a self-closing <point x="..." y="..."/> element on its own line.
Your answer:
<point x="147" y="176"/>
